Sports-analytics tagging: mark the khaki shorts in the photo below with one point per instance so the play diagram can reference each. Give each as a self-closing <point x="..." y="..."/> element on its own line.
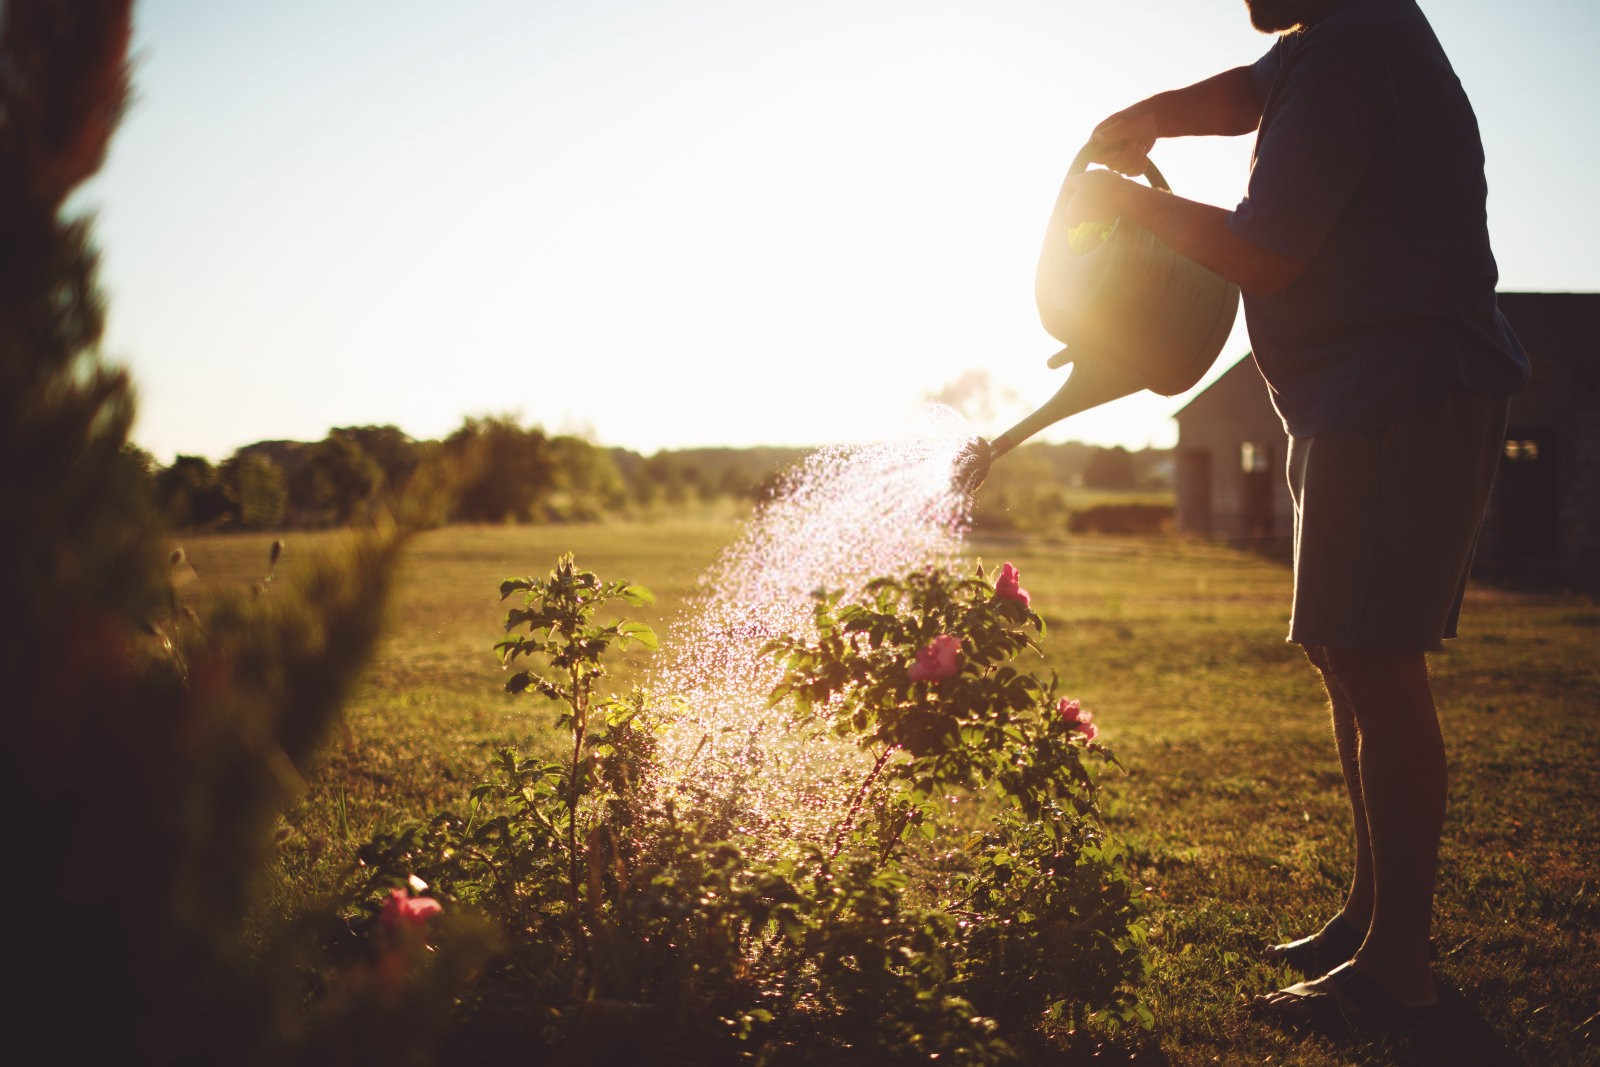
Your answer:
<point x="1385" y="524"/>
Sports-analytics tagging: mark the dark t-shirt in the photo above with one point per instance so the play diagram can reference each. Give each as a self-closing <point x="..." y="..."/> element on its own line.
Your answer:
<point x="1368" y="164"/>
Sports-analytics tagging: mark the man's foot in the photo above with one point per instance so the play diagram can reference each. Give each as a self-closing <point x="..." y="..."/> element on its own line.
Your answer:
<point x="1324" y="950"/>
<point x="1345" y="1002"/>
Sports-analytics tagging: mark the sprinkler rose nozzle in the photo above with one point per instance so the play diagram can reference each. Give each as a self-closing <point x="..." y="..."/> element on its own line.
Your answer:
<point x="972" y="465"/>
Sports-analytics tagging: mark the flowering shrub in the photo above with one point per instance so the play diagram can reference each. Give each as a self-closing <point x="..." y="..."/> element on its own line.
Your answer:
<point x="964" y="903"/>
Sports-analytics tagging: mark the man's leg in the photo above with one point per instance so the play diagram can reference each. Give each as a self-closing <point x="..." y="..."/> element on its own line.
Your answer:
<point x="1337" y="941"/>
<point x="1400" y="758"/>
<point x="1357" y="910"/>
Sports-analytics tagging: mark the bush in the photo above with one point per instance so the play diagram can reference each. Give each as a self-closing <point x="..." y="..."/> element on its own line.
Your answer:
<point x="1123" y="519"/>
<point x="637" y="928"/>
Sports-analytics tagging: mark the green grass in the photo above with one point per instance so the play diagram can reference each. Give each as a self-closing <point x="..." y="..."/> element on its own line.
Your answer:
<point x="1234" y="808"/>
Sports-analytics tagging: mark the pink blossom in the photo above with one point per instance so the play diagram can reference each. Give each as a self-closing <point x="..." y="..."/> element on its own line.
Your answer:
<point x="1078" y="717"/>
<point x="1008" y="584"/>
<point x="936" y="660"/>
<point x="402" y="912"/>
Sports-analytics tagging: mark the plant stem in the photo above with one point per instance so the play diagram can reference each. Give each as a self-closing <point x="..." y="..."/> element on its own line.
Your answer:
<point x="580" y="725"/>
<point x="849" y="819"/>
<point x="893" y="837"/>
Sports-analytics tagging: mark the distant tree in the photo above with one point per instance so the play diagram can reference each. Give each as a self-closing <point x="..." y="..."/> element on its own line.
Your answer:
<point x="390" y="447"/>
<point x="1110" y="468"/>
<point x="257" y="488"/>
<point x="735" y="483"/>
<point x="506" y="469"/>
<point x="336" y="483"/>
<point x="1007" y="499"/>
<point x="1155" y="468"/>
<point x="140" y="461"/>
<point x="190" y="493"/>
<point x="974" y="393"/>
<point x="671" y="478"/>
<point x="588" y="472"/>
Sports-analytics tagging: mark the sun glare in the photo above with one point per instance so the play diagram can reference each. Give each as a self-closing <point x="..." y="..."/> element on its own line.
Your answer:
<point x="679" y="225"/>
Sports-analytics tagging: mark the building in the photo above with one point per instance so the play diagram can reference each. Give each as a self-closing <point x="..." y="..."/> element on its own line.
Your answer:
<point x="1544" y="516"/>
<point x="1231" y="451"/>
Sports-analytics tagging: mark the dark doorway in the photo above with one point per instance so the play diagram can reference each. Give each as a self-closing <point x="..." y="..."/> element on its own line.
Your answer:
<point x="1255" y="490"/>
<point x="1194" y="491"/>
<point x="1526" y="527"/>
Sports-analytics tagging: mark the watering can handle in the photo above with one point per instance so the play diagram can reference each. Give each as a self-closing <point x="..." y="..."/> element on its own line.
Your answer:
<point x="1085" y="156"/>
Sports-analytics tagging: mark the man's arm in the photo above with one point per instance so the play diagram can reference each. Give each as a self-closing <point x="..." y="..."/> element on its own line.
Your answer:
<point x="1225" y="105"/>
<point x="1198" y="231"/>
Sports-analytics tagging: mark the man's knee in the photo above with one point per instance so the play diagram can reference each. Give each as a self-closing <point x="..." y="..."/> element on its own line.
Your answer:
<point x="1318" y="655"/>
<point x="1371" y="665"/>
<point x="1379" y="682"/>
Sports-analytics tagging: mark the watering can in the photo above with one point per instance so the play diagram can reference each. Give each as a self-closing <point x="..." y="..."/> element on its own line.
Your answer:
<point x="1133" y="314"/>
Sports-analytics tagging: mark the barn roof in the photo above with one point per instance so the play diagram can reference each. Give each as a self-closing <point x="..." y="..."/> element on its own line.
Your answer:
<point x="1241" y="365"/>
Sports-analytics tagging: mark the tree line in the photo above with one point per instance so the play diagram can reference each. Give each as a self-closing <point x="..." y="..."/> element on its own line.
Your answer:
<point x="500" y="470"/>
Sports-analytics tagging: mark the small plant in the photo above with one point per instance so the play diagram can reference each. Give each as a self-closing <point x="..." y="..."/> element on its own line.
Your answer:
<point x="558" y="616"/>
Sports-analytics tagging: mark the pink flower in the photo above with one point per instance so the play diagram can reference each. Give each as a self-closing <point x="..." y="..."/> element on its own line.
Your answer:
<point x="402" y="912"/>
<point x="1078" y="718"/>
<point x="938" y="659"/>
<point x="1009" y="584"/>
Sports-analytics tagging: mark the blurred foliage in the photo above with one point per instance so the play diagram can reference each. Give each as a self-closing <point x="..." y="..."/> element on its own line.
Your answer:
<point x="257" y="488"/>
<point x="150" y="745"/>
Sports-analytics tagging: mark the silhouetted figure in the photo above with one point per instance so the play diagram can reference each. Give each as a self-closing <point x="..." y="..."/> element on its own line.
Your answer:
<point x="1362" y="249"/>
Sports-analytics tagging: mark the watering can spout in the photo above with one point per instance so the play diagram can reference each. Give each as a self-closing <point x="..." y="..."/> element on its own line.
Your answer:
<point x="1093" y="382"/>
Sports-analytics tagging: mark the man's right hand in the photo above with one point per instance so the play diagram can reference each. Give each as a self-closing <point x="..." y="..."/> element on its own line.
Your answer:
<point x="1123" y="141"/>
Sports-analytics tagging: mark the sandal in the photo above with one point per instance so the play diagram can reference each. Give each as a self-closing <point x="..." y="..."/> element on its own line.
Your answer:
<point x="1320" y="953"/>
<point x="1344" y="1001"/>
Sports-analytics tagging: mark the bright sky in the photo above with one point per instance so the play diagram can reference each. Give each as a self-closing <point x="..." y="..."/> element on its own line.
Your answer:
<point x="674" y="223"/>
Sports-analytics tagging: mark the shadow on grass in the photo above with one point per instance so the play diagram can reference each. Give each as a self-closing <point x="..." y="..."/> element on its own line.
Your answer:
<point x="1459" y="1034"/>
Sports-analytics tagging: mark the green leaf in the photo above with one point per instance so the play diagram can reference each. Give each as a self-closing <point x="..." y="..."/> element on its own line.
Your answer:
<point x="638" y="631"/>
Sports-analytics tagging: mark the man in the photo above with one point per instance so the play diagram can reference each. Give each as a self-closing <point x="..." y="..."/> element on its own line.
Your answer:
<point x="1362" y="249"/>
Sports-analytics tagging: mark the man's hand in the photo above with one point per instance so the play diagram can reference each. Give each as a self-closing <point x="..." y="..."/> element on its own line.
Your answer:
<point x="1123" y="141"/>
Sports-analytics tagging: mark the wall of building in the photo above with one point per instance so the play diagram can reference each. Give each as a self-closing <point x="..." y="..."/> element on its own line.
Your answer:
<point x="1217" y="424"/>
<point x="1560" y="410"/>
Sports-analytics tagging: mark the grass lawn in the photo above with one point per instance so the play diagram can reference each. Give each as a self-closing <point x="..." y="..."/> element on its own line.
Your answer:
<point x="1234" y="808"/>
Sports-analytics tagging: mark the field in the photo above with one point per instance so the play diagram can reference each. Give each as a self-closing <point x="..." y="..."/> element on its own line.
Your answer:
<point x="1234" y="807"/>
